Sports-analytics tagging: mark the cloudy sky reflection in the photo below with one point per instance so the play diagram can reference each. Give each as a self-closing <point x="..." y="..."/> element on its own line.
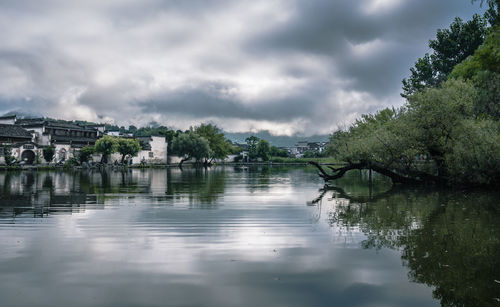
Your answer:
<point x="252" y="243"/>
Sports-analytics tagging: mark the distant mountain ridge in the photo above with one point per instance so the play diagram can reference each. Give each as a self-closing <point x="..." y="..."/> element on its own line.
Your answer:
<point x="280" y="141"/>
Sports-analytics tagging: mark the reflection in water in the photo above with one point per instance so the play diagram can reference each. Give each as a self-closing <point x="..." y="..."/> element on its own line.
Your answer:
<point x="43" y="193"/>
<point x="199" y="185"/>
<point x="230" y="236"/>
<point x="449" y="240"/>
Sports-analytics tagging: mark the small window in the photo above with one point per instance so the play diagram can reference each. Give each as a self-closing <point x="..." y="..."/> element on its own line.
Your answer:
<point x="151" y="155"/>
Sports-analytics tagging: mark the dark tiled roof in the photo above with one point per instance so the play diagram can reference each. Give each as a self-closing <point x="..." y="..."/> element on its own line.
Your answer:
<point x="79" y="139"/>
<point x="14" y="131"/>
<point x="29" y="121"/>
<point x="54" y="124"/>
<point x="8" y="117"/>
<point x="68" y="126"/>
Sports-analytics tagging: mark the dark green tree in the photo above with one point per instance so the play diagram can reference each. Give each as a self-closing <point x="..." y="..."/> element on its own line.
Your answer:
<point x="450" y="47"/>
<point x="219" y="146"/>
<point x="106" y="146"/>
<point x="492" y="14"/>
<point x="85" y="153"/>
<point x="128" y="147"/>
<point x="48" y="153"/>
<point x="252" y="142"/>
<point x="132" y="129"/>
<point x="483" y="69"/>
<point x="7" y="153"/>
<point x="277" y="152"/>
<point x="263" y="150"/>
<point x="190" y="145"/>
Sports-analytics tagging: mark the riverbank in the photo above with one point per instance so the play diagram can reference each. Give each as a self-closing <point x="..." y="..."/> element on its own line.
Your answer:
<point x="273" y="161"/>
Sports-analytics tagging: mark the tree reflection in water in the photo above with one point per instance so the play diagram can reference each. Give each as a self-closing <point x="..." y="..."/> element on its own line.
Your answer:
<point x="449" y="240"/>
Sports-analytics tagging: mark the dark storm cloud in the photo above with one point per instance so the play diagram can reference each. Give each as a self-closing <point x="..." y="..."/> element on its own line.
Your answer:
<point x="334" y="28"/>
<point x="307" y="66"/>
<point x="213" y="100"/>
<point x="323" y="26"/>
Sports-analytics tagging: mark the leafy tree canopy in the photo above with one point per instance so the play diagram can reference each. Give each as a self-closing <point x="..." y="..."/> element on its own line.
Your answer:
<point x="128" y="147"/>
<point x="106" y="146"/>
<point x="483" y="69"/>
<point x="219" y="146"/>
<point x="190" y="145"/>
<point x="278" y="152"/>
<point x="492" y="14"/>
<point x="85" y="153"/>
<point x="48" y="153"/>
<point x="252" y="142"/>
<point x="263" y="150"/>
<point x="450" y="47"/>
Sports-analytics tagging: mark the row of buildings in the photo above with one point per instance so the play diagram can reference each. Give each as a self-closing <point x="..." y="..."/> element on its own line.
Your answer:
<point x="28" y="137"/>
<point x="301" y="148"/>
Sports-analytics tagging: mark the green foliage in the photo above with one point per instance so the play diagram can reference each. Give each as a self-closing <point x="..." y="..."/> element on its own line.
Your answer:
<point x="190" y="145"/>
<point x="106" y="146"/>
<point x="128" y="147"/>
<point x="438" y="133"/>
<point x="71" y="162"/>
<point x="434" y="115"/>
<point x="475" y="157"/>
<point x="48" y="153"/>
<point x="448" y="240"/>
<point x="149" y="131"/>
<point x="492" y="14"/>
<point x="277" y="152"/>
<point x="309" y="154"/>
<point x="85" y="153"/>
<point x="488" y="88"/>
<point x="447" y="129"/>
<point x="422" y="75"/>
<point x="483" y="69"/>
<point x="219" y="146"/>
<point x="451" y="47"/>
<point x="263" y="150"/>
<point x="485" y="58"/>
<point x="235" y="150"/>
<point x="252" y="142"/>
<point x="7" y="153"/>
<point x="132" y="129"/>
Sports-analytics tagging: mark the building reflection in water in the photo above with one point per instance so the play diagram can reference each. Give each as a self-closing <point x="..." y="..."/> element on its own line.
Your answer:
<point x="40" y="193"/>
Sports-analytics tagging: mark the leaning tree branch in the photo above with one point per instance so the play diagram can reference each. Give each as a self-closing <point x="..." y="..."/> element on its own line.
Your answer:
<point x="415" y="178"/>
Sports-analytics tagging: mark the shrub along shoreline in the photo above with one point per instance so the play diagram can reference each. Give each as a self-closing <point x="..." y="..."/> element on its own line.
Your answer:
<point x="272" y="161"/>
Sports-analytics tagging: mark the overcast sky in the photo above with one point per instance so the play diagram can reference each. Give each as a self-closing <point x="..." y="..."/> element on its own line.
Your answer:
<point x="290" y="67"/>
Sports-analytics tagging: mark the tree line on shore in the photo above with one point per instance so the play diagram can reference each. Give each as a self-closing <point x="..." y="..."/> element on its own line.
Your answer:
<point x="448" y="131"/>
<point x="204" y="144"/>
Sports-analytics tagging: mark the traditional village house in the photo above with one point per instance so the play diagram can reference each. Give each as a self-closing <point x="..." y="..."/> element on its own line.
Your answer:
<point x="20" y="140"/>
<point x="29" y="136"/>
<point x="67" y="137"/>
<point x="154" y="150"/>
<point x="8" y="120"/>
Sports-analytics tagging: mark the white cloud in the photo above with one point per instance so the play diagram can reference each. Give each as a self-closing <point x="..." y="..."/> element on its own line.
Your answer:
<point x="287" y="66"/>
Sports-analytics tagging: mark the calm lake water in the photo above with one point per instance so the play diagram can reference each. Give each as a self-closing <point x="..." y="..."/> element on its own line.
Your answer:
<point x="229" y="236"/>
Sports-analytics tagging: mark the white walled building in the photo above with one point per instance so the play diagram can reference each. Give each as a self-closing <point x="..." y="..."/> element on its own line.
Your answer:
<point x="154" y="151"/>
